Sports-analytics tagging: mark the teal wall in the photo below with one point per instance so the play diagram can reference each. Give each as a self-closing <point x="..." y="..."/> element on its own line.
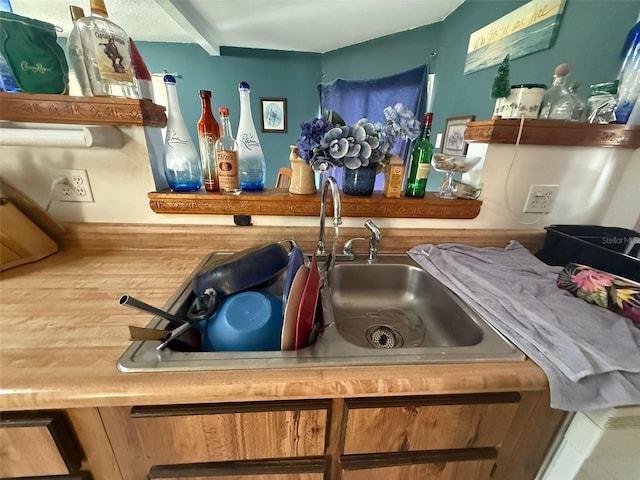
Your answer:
<point x="590" y="38"/>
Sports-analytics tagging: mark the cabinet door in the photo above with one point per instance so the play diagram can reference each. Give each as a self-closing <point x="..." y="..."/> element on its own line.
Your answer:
<point x="184" y="434"/>
<point x="428" y="423"/>
<point x="37" y="444"/>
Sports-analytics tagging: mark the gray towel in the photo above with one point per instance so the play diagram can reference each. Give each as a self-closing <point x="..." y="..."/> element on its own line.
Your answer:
<point x="590" y="355"/>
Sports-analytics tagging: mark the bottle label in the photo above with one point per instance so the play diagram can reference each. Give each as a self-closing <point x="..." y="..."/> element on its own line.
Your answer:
<point x="248" y="141"/>
<point x="112" y="56"/>
<point x="423" y="171"/>
<point x="172" y="138"/>
<point x="228" y="170"/>
<point x="208" y="157"/>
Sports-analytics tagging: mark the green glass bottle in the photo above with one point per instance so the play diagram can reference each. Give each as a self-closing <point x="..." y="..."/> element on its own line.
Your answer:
<point x="420" y="162"/>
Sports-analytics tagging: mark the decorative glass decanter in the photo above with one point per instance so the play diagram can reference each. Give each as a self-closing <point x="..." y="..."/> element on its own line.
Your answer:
<point x="181" y="160"/>
<point x="250" y="157"/>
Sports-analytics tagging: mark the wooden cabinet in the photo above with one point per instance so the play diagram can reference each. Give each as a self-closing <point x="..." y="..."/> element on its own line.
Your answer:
<point x="428" y="423"/>
<point x="144" y="437"/>
<point x="484" y="436"/>
<point x="37" y="444"/>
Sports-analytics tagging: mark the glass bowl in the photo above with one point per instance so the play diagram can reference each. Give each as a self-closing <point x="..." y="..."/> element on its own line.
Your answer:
<point x="450" y="164"/>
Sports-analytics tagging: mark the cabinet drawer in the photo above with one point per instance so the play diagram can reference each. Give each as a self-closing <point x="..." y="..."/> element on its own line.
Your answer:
<point x="428" y="423"/>
<point x="185" y="434"/>
<point x="461" y="464"/>
<point x="467" y="470"/>
<point x="283" y="469"/>
<point x="37" y="444"/>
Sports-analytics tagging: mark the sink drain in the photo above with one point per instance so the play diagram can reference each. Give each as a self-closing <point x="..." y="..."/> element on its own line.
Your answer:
<point x="382" y="336"/>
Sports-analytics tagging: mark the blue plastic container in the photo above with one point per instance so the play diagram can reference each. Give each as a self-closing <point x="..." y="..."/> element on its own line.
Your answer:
<point x="245" y="322"/>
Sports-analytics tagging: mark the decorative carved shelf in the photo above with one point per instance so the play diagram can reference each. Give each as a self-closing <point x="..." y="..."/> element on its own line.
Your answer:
<point x="553" y="132"/>
<point x="282" y="203"/>
<point x="45" y="108"/>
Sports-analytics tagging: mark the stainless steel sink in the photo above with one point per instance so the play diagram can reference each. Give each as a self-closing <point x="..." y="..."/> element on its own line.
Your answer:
<point x="387" y="312"/>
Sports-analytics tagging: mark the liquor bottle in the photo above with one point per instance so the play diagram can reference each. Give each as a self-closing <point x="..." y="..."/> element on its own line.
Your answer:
<point x="76" y="53"/>
<point x="8" y="82"/>
<point x="144" y="83"/>
<point x="227" y="155"/>
<point x="420" y="162"/>
<point x="557" y="102"/>
<point x="106" y="54"/>
<point x="251" y="162"/>
<point x="208" y="134"/>
<point x="629" y="75"/>
<point x="181" y="161"/>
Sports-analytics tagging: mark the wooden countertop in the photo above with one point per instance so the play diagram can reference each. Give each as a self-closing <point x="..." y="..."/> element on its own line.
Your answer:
<point x="62" y="331"/>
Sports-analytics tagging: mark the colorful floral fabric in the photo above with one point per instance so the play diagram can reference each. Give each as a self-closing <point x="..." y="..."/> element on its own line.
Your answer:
<point x="614" y="293"/>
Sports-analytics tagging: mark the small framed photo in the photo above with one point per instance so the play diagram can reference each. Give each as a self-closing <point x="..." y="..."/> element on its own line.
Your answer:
<point x="273" y="115"/>
<point x="453" y="142"/>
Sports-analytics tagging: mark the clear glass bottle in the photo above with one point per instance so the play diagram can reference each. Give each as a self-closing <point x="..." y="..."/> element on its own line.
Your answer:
<point x="181" y="161"/>
<point x="208" y="134"/>
<point x="420" y="162"/>
<point x="557" y="101"/>
<point x="250" y="157"/>
<point x="76" y="53"/>
<point x="106" y="54"/>
<point x="227" y="155"/>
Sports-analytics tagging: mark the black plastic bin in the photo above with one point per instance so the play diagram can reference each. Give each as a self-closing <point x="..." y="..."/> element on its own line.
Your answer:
<point x="611" y="249"/>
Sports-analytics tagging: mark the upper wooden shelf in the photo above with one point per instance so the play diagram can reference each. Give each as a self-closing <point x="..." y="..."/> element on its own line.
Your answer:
<point x="282" y="203"/>
<point x="116" y="111"/>
<point x="553" y="132"/>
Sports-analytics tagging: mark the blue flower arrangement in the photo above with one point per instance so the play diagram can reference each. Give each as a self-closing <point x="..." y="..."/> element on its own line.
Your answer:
<point x="328" y="142"/>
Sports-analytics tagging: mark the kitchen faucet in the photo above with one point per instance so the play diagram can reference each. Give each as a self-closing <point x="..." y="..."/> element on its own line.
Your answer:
<point x="337" y="218"/>
<point x="374" y="240"/>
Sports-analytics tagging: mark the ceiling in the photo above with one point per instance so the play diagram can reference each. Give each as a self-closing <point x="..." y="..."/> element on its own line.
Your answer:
<point x="297" y="25"/>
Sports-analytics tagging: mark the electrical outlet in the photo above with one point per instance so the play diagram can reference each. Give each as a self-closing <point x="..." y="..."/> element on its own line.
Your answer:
<point x="540" y="198"/>
<point x="77" y="187"/>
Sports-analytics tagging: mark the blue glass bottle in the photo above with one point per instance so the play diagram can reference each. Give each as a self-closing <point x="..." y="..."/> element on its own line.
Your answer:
<point x="182" y="165"/>
<point x="629" y="76"/>
<point x="8" y="81"/>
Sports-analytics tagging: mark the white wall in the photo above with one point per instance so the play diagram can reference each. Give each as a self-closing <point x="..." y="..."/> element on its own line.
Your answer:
<point x="597" y="185"/>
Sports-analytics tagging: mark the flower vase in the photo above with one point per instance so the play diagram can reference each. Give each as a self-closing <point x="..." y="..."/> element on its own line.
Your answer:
<point x="303" y="178"/>
<point x="360" y="181"/>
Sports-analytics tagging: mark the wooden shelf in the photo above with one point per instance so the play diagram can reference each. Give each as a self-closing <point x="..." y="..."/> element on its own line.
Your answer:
<point x="553" y="132"/>
<point x="45" y="108"/>
<point x="278" y="201"/>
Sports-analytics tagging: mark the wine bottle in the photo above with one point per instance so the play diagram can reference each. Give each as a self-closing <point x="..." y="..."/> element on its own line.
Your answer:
<point x="181" y="161"/>
<point x="208" y="134"/>
<point x="107" y="58"/>
<point x="227" y="155"/>
<point x="76" y="53"/>
<point x="420" y="162"/>
<point x="251" y="162"/>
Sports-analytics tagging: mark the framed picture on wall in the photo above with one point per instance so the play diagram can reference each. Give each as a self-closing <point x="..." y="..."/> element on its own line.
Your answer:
<point x="453" y="142"/>
<point x="273" y="115"/>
